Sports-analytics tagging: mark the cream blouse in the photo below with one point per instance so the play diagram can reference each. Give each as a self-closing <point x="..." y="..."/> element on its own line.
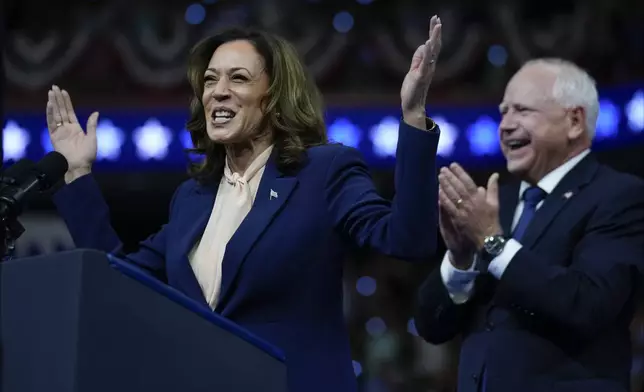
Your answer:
<point x="234" y="200"/>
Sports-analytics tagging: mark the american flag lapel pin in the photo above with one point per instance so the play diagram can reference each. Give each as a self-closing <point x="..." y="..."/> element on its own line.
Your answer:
<point x="273" y="195"/>
<point x="567" y="195"/>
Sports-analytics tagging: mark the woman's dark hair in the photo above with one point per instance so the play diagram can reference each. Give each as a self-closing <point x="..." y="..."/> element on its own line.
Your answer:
<point x="293" y="104"/>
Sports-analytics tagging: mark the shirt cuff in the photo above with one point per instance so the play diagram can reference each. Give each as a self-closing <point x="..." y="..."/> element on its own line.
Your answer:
<point x="500" y="263"/>
<point x="459" y="283"/>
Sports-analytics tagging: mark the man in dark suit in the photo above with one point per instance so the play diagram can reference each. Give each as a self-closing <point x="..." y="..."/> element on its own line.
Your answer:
<point x="540" y="276"/>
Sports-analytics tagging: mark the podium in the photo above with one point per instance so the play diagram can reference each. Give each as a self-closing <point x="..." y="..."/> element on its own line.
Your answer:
<point x="83" y="321"/>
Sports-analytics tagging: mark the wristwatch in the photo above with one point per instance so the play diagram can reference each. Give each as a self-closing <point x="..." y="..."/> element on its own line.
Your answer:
<point x="492" y="247"/>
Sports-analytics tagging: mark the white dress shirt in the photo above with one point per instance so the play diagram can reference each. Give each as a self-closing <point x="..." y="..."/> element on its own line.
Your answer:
<point x="460" y="283"/>
<point x="235" y="197"/>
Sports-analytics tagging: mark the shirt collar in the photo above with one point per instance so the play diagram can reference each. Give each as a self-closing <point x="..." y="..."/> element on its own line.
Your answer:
<point x="254" y="167"/>
<point x="550" y="181"/>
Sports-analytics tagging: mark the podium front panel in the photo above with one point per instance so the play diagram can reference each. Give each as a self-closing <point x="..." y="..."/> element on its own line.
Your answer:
<point x="72" y="323"/>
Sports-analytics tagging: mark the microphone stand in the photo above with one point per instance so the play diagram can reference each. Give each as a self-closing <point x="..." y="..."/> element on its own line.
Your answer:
<point x="10" y="228"/>
<point x="10" y="231"/>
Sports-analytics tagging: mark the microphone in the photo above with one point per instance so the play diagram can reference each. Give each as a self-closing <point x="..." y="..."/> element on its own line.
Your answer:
<point x="16" y="172"/>
<point x="29" y="179"/>
<point x="22" y="179"/>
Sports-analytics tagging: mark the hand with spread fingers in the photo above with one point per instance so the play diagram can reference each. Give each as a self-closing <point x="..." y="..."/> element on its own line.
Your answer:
<point x="67" y="135"/>
<point x="413" y="92"/>
<point x="474" y="210"/>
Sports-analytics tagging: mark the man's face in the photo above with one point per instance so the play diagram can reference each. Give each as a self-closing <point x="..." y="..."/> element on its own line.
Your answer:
<point x="537" y="134"/>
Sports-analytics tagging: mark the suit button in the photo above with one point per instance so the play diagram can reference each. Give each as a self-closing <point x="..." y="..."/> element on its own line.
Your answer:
<point x="438" y="311"/>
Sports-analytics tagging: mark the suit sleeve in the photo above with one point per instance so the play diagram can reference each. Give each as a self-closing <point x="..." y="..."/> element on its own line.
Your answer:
<point x="590" y="294"/>
<point x="87" y="217"/>
<point x="405" y="228"/>
<point x="438" y="319"/>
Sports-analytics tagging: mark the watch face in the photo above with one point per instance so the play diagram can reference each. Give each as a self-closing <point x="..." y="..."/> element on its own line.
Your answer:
<point x="494" y="245"/>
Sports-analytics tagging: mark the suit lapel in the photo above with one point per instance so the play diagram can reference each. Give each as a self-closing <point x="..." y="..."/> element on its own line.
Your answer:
<point x="565" y="191"/>
<point x="195" y="215"/>
<point x="272" y="194"/>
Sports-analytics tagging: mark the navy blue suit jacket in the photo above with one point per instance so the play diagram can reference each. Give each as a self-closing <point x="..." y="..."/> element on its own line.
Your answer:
<point x="282" y="270"/>
<point x="558" y="319"/>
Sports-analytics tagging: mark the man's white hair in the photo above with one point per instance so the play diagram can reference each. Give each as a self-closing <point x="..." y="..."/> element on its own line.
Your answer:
<point x="573" y="87"/>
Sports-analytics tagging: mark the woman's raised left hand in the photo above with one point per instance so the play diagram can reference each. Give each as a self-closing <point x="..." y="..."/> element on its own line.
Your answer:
<point x="416" y="84"/>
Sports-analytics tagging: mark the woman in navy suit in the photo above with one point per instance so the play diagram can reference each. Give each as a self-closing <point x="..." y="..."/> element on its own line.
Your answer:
<point x="259" y="232"/>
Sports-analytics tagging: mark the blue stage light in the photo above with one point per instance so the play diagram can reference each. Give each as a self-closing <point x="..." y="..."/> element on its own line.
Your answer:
<point x="448" y="136"/>
<point x="384" y="137"/>
<point x="483" y="137"/>
<point x="15" y="140"/>
<point x="152" y="140"/>
<point x="344" y="131"/>
<point x="635" y="112"/>
<point x="110" y="140"/>
<point x="366" y="286"/>
<point x="376" y="326"/>
<point x="607" y="121"/>
<point x="45" y="141"/>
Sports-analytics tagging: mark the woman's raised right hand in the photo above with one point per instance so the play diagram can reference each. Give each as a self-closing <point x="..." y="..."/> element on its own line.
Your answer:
<point x="67" y="135"/>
